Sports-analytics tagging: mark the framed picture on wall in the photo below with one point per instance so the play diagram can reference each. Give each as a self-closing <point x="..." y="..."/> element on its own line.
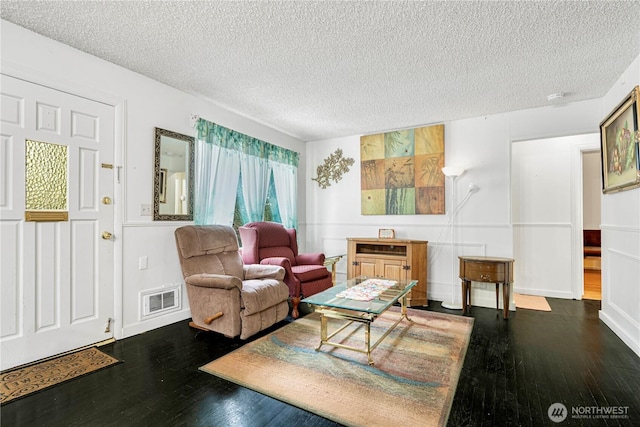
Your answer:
<point x="620" y="153"/>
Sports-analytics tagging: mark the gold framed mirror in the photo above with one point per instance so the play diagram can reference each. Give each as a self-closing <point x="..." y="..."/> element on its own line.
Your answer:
<point x="173" y="176"/>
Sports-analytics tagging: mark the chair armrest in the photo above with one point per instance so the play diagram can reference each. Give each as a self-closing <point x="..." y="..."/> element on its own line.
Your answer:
<point x="289" y="278"/>
<point x="310" y="259"/>
<point x="283" y="262"/>
<point x="263" y="271"/>
<point x="219" y="281"/>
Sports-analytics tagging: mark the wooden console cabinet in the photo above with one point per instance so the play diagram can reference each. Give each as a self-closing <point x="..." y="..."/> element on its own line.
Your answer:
<point x="393" y="259"/>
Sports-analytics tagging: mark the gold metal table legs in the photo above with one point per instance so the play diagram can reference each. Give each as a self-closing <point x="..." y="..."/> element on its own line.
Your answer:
<point x="352" y="316"/>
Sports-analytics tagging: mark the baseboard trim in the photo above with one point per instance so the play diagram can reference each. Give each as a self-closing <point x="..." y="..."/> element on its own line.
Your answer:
<point x="620" y="332"/>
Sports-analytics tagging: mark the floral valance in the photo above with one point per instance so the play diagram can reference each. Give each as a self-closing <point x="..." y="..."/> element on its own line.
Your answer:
<point x="213" y="133"/>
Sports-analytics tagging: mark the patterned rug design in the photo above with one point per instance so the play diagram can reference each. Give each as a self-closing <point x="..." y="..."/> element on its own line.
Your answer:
<point x="413" y="380"/>
<point x="22" y="381"/>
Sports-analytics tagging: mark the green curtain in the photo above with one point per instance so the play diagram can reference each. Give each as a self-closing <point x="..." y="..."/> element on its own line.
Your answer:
<point x="219" y="135"/>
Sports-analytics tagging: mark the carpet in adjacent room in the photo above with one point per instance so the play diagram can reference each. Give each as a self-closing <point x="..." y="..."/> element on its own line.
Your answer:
<point x="531" y="302"/>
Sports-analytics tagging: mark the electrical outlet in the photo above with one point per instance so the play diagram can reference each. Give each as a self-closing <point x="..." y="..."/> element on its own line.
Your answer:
<point x="145" y="209"/>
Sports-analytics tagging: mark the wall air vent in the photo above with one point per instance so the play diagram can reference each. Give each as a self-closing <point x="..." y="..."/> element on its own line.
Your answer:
<point x="160" y="301"/>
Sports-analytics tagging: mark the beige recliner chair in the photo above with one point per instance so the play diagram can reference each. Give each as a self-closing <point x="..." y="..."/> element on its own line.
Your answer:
<point x="226" y="296"/>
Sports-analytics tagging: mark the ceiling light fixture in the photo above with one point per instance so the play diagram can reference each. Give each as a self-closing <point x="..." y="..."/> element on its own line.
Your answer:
<point x="555" y="96"/>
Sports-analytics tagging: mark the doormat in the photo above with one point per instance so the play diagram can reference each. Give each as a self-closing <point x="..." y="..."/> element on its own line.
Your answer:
<point x="25" y="380"/>
<point x="531" y="302"/>
<point x="412" y="382"/>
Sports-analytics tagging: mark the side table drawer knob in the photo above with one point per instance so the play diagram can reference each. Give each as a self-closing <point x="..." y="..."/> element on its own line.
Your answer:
<point x="485" y="276"/>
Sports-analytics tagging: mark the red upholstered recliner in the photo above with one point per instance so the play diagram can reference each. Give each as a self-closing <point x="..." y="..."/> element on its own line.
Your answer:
<point x="271" y="243"/>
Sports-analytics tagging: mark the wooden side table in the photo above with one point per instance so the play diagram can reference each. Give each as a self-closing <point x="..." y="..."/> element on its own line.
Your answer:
<point x="487" y="270"/>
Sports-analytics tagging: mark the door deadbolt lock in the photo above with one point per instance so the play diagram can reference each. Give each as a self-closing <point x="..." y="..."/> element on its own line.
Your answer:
<point x="106" y="235"/>
<point x="106" y="200"/>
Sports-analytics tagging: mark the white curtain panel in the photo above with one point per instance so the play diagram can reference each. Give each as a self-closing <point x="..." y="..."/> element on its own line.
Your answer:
<point x="255" y="185"/>
<point x="285" y="178"/>
<point x="217" y="174"/>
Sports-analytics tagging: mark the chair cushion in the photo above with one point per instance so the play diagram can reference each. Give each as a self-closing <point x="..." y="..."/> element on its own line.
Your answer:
<point x="258" y="295"/>
<point x="266" y="271"/>
<point x="308" y="273"/>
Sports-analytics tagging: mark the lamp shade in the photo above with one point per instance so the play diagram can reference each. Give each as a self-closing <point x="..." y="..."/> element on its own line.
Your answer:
<point x="452" y="171"/>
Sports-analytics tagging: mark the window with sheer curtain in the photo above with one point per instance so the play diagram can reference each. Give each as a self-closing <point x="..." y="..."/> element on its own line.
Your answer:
<point x="240" y="179"/>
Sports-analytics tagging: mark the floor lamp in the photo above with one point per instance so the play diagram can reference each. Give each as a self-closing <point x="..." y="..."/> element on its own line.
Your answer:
<point x="453" y="172"/>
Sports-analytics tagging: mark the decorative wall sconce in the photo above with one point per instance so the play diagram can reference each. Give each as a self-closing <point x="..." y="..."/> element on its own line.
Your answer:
<point x="333" y="168"/>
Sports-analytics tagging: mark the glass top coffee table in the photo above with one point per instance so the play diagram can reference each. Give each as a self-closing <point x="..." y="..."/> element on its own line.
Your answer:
<point x="362" y="300"/>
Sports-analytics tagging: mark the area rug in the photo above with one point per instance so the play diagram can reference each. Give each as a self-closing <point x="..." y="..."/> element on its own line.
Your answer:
<point x="413" y="381"/>
<point x="531" y="302"/>
<point x="22" y="381"/>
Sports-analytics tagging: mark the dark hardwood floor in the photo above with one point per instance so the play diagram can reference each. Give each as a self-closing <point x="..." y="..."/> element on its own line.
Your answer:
<point x="513" y="371"/>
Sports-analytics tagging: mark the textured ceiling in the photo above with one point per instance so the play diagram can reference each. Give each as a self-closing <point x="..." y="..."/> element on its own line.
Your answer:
<point x="318" y="70"/>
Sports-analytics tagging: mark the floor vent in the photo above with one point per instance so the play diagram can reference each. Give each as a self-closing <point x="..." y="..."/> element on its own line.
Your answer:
<point x="160" y="301"/>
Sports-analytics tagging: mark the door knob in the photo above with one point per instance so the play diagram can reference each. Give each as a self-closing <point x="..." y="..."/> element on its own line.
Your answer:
<point x="106" y="235"/>
<point x="106" y="200"/>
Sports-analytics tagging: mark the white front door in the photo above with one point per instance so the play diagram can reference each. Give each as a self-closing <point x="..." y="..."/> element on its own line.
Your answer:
<point x="56" y="277"/>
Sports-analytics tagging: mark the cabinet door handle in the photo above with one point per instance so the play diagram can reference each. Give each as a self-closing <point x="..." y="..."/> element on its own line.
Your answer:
<point x="355" y="263"/>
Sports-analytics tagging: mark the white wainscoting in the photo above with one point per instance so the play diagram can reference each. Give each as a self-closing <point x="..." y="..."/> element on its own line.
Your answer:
<point x="621" y="295"/>
<point x="472" y="239"/>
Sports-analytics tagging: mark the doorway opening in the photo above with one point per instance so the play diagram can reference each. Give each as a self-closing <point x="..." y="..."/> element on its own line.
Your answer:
<point x="547" y="214"/>
<point x="591" y="193"/>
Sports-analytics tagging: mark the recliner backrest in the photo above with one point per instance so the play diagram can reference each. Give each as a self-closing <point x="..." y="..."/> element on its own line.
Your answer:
<point x="209" y="249"/>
